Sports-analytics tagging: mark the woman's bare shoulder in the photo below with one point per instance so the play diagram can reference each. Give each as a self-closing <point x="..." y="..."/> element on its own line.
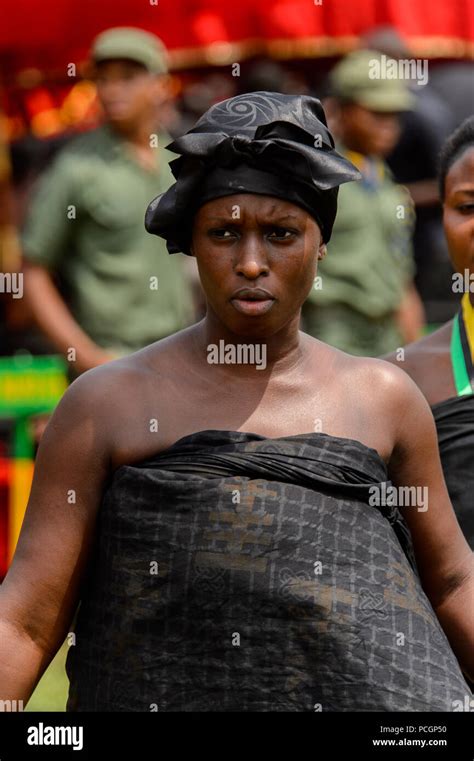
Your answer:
<point x="417" y="357"/>
<point x="110" y="382"/>
<point x="379" y="390"/>
<point x="109" y="402"/>
<point x="375" y="376"/>
<point x="428" y="363"/>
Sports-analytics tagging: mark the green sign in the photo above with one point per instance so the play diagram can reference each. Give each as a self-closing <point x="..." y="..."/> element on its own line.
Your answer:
<point x="29" y="385"/>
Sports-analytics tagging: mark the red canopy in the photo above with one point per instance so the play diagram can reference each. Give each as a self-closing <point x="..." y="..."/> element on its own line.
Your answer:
<point x="43" y="38"/>
<point x="53" y="33"/>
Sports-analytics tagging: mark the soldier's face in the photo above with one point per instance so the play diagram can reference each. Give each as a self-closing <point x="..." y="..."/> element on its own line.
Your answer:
<point x="369" y="132"/>
<point x="458" y="211"/>
<point x="127" y="91"/>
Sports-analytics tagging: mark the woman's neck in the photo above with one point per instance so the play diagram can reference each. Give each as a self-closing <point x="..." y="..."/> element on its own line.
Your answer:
<point x="243" y="355"/>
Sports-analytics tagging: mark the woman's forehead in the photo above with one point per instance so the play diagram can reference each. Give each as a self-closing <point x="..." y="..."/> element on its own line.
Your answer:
<point x="462" y="169"/>
<point x="244" y="203"/>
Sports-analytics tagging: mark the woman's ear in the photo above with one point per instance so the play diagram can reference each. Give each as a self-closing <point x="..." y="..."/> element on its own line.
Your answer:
<point x="322" y="251"/>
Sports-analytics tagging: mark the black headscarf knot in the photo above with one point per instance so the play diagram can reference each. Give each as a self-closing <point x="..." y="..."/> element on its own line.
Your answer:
<point x="262" y="142"/>
<point x="234" y="150"/>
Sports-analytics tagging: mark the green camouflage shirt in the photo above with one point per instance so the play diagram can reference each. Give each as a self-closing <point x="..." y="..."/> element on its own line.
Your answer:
<point x="369" y="263"/>
<point x="86" y="225"/>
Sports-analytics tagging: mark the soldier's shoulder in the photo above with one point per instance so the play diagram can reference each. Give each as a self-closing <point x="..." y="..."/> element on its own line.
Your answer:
<point x="94" y="140"/>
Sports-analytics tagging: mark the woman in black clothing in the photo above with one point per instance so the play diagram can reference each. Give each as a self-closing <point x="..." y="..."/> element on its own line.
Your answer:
<point x="442" y="363"/>
<point x="217" y="502"/>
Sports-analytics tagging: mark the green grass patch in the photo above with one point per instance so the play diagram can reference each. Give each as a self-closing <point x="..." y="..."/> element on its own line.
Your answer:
<point x="52" y="690"/>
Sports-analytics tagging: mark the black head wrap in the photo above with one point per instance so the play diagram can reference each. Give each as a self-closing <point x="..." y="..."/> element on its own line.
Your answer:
<point x="260" y="142"/>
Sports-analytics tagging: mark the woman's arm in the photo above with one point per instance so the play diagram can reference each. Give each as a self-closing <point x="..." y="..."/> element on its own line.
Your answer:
<point x="444" y="559"/>
<point x="39" y="595"/>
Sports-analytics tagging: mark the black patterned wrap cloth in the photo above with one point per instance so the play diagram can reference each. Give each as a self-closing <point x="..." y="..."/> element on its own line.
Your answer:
<point x="454" y="420"/>
<point x="235" y="572"/>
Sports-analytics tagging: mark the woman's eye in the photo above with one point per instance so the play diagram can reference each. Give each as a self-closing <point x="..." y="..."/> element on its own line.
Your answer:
<point x="466" y="208"/>
<point x="281" y="233"/>
<point x="221" y="232"/>
<point x="276" y="233"/>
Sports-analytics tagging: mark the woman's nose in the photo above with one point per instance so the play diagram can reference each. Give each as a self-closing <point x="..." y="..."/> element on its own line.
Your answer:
<point x="251" y="258"/>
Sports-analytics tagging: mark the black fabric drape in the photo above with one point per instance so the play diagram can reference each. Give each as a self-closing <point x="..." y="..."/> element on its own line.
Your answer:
<point x="237" y="572"/>
<point x="454" y="420"/>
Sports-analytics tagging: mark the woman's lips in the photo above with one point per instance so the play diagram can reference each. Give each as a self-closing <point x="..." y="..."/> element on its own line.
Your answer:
<point x="252" y="307"/>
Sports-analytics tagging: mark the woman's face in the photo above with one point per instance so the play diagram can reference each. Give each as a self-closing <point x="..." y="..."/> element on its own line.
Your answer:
<point x="250" y="241"/>
<point x="458" y="211"/>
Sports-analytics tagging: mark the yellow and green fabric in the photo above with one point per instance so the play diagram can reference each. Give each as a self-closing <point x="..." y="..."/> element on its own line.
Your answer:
<point x="28" y="386"/>
<point x="462" y="348"/>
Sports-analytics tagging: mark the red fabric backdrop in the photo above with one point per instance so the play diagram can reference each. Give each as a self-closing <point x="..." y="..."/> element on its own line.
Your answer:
<point x="53" y="33"/>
